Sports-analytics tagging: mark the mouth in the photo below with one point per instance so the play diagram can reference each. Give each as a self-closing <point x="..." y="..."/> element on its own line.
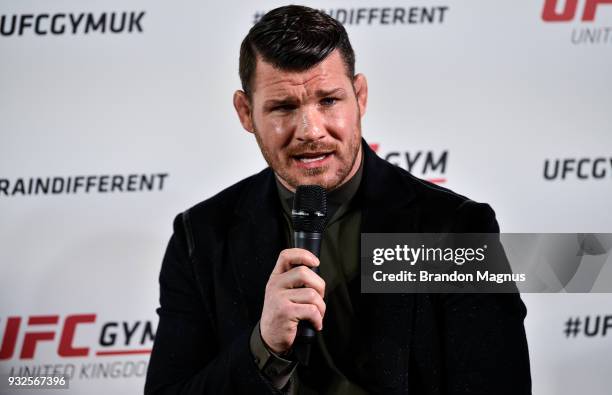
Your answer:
<point x="312" y="159"/>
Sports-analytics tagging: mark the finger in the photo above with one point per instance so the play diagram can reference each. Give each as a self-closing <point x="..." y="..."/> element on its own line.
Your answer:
<point x="307" y="296"/>
<point x="299" y="277"/>
<point x="308" y="312"/>
<point x="291" y="257"/>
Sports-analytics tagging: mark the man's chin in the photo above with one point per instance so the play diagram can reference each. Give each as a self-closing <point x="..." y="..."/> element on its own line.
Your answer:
<point x="315" y="176"/>
<point x="328" y="183"/>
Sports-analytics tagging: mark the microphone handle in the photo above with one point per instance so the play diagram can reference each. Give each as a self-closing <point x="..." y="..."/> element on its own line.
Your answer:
<point x="305" y="336"/>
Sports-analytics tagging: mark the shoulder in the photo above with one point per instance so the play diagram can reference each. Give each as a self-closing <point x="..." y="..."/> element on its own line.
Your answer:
<point x="439" y="207"/>
<point x="228" y="199"/>
<point x="214" y="215"/>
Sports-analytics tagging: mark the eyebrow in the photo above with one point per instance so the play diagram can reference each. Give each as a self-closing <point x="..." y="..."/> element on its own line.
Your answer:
<point x="332" y="92"/>
<point x="293" y="99"/>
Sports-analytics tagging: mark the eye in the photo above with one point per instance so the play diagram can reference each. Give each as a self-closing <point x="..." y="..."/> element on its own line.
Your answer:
<point x="329" y="101"/>
<point x="284" y="108"/>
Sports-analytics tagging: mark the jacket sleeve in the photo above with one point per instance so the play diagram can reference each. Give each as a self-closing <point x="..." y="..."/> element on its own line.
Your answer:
<point x="484" y="337"/>
<point x="186" y="356"/>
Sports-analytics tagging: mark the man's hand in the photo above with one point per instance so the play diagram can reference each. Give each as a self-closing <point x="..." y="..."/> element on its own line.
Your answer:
<point x="293" y="293"/>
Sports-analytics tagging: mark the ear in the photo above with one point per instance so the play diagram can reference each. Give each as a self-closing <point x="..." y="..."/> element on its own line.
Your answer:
<point x="243" y="109"/>
<point x="360" y="85"/>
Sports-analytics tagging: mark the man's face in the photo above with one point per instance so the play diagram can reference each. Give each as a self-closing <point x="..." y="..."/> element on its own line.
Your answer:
<point x="307" y="124"/>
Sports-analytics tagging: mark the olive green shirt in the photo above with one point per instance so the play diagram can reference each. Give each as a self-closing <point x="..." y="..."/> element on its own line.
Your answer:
<point x="333" y="360"/>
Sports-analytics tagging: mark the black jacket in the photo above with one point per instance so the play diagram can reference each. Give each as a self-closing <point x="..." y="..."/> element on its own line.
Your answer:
<point x="219" y="259"/>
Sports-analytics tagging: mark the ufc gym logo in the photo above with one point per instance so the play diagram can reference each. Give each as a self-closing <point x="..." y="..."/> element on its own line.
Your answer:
<point x="112" y="334"/>
<point x="566" y="10"/>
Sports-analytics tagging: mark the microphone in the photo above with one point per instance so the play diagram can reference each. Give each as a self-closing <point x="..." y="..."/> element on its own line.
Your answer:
<point x="309" y="216"/>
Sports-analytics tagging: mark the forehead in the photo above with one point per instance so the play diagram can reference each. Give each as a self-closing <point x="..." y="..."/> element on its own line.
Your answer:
<point x="329" y="73"/>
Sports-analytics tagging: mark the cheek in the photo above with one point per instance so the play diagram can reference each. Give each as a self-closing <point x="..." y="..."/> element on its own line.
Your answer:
<point x="282" y="125"/>
<point x="341" y="124"/>
<point x="276" y="128"/>
<point x="275" y="131"/>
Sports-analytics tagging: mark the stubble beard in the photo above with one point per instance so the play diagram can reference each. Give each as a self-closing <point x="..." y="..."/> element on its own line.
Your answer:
<point x="330" y="182"/>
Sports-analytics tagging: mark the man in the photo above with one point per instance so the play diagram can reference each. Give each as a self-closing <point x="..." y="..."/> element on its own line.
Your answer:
<point x="232" y="292"/>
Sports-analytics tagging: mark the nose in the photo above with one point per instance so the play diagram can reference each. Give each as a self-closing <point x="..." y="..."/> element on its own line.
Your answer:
<point x="310" y="125"/>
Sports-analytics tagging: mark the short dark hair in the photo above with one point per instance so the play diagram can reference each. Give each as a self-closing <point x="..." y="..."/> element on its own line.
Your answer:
<point x="293" y="38"/>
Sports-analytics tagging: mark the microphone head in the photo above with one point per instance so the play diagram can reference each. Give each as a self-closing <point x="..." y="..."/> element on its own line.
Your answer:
<point x="309" y="212"/>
